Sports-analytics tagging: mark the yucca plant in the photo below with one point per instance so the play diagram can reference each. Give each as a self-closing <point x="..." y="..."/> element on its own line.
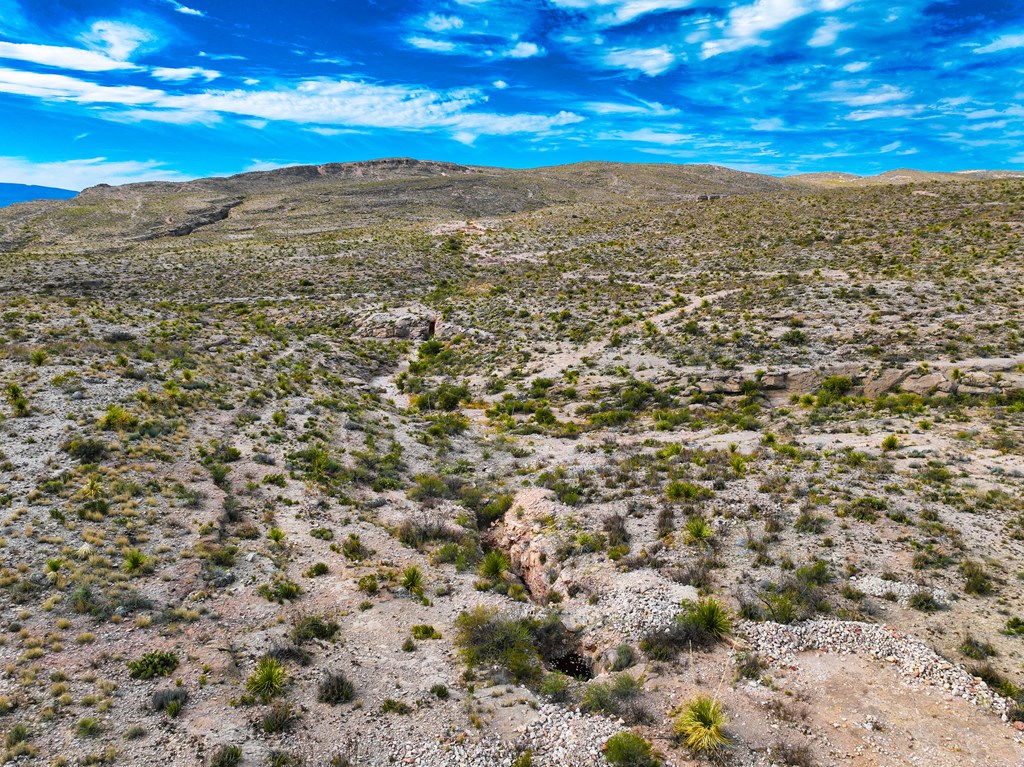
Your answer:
<point x="698" y="531"/>
<point x="494" y="565"/>
<point x="412" y="579"/>
<point x="701" y="724"/>
<point x="267" y="680"/>
<point x="711" y="617"/>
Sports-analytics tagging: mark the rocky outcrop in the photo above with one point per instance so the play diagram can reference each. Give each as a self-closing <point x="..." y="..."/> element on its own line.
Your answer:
<point x="195" y="220"/>
<point x="991" y="376"/>
<point x="413" y="323"/>
<point x="533" y="555"/>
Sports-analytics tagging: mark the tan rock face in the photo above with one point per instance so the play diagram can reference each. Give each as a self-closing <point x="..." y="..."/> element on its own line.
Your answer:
<point x="521" y="534"/>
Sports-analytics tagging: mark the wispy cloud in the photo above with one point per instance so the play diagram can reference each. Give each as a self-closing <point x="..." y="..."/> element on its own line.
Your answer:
<point x="78" y="174"/>
<point x="650" y="61"/>
<point x="1003" y="43"/>
<point x="116" y="39"/>
<point x="62" y="57"/>
<point x="181" y="74"/>
<point x="185" y="9"/>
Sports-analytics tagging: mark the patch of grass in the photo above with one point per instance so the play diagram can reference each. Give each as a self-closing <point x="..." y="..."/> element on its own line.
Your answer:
<point x="335" y="688"/>
<point x="701" y="725"/>
<point x="626" y="749"/>
<point x="268" y="680"/>
<point x="153" y="664"/>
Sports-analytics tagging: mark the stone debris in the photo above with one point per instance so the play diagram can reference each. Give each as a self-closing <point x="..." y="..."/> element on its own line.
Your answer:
<point x="914" y="660"/>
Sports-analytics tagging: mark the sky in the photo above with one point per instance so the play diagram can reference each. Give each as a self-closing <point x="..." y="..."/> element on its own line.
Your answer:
<point x="93" y="91"/>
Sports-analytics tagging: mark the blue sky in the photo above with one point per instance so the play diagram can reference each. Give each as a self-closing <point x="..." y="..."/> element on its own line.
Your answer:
<point x="94" y="91"/>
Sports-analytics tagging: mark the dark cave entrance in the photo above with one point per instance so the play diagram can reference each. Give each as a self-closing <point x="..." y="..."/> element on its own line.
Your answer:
<point x="575" y="665"/>
<point x="431" y="327"/>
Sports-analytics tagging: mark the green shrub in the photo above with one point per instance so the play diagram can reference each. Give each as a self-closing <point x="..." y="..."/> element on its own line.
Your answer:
<point x="268" y="680"/>
<point x="309" y="627"/>
<point x="152" y="664"/>
<point x="620" y="697"/>
<point x="335" y="688"/>
<point x="391" y="706"/>
<point x="423" y="631"/>
<point x="701" y="724"/>
<point x="226" y="756"/>
<point x="626" y="749"/>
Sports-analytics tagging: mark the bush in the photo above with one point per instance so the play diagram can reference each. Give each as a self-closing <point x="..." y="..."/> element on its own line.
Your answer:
<point x="156" y="663"/>
<point x="226" y="756"/>
<point x="701" y="724"/>
<point x="391" y="706"/>
<point x="268" y="680"/>
<point x="516" y="645"/>
<point x="86" y="450"/>
<point x="423" y="631"/>
<point x="702" y="625"/>
<point x="494" y="565"/>
<point x="310" y="627"/>
<point x="924" y="601"/>
<point x="555" y="687"/>
<point x="977" y="581"/>
<point x="621" y="697"/>
<point x="169" y="701"/>
<point x="335" y="688"/>
<point x="625" y="656"/>
<point x="628" y="750"/>
<point x="278" y="718"/>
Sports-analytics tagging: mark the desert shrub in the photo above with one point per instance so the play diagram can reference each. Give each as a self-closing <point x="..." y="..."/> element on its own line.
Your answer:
<point x="793" y="755"/>
<point x="701" y="625"/>
<point x="554" y="687"/>
<point x="625" y="656"/>
<point x="924" y="601"/>
<point x="391" y="706"/>
<point x="309" y="627"/>
<point x="976" y="649"/>
<point x="620" y="697"/>
<point x="422" y="631"/>
<point x="976" y="579"/>
<point x="335" y="688"/>
<point x="626" y="749"/>
<point x="701" y="725"/>
<point x="286" y="652"/>
<point x="152" y="664"/>
<point x="279" y="590"/>
<point x="169" y="701"/>
<point x="226" y="756"/>
<point x="517" y="646"/>
<point x="278" y="718"/>
<point x="268" y="680"/>
<point x="86" y="450"/>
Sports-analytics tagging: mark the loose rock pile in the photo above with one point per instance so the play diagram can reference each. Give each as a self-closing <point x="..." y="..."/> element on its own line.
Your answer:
<point x="879" y="587"/>
<point x="913" y="659"/>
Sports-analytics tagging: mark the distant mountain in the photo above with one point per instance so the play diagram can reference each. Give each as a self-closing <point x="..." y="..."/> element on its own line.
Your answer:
<point x="315" y="199"/>
<point x="12" y="193"/>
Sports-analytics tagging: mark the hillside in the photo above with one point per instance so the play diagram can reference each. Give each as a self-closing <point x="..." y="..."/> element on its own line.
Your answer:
<point x="415" y="463"/>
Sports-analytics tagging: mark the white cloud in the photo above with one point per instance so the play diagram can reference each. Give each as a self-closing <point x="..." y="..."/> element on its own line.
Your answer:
<point x="890" y="147"/>
<point x="169" y="116"/>
<point x="858" y="93"/>
<point x="437" y="23"/>
<point x="78" y="174"/>
<point x="500" y="84"/>
<point x="464" y="137"/>
<point x="256" y="165"/>
<point x="117" y="39"/>
<point x="875" y="114"/>
<point x="856" y="66"/>
<point x="650" y="61"/>
<point x="64" y="88"/>
<point x="650" y="136"/>
<point x="185" y="9"/>
<point x="768" y="124"/>
<point x="251" y="81"/>
<point x="257" y="124"/>
<point x="1002" y="43"/>
<point x="429" y="44"/>
<point x="746" y="24"/>
<point x="181" y="74"/>
<point x="827" y="34"/>
<point x="524" y="50"/>
<point x="330" y="131"/>
<point x="62" y="57"/>
<point x="323" y="102"/>
<point x="638" y="109"/>
<point x="612" y="13"/>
